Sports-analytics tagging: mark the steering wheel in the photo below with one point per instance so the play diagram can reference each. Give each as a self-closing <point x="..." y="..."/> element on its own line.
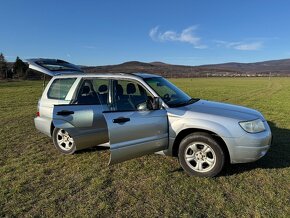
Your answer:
<point x="166" y="97"/>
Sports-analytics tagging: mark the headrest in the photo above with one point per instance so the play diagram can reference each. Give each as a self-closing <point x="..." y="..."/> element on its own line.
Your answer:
<point x="131" y="89"/>
<point x="86" y="90"/>
<point x="103" y="89"/>
<point x="89" y="84"/>
<point x="119" y="90"/>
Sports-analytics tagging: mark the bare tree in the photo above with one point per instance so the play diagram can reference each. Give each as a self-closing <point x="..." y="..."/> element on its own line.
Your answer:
<point x="3" y="66"/>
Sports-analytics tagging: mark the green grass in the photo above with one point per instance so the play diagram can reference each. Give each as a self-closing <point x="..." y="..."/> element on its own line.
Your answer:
<point x="38" y="181"/>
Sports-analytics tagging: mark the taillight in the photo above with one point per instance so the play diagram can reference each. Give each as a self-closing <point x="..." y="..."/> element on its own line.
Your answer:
<point x="37" y="114"/>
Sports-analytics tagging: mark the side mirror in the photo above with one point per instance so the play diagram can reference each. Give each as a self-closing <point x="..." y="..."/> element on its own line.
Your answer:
<point x="157" y="103"/>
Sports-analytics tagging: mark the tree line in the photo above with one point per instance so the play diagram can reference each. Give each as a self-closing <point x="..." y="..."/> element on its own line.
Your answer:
<point x="16" y="70"/>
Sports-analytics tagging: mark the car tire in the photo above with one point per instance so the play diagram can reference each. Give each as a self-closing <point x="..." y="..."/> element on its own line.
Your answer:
<point x="200" y="155"/>
<point x="63" y="141"/>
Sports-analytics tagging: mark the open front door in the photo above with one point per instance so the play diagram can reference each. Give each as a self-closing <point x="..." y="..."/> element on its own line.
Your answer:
<point x="134" y="129"/>
<point x="137" y="133"/>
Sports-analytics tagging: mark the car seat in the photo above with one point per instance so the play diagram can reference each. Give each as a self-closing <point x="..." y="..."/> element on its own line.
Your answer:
<point x="103" y="94"/>
<point x="87" y="94"/>
<point x="131" y="90"/>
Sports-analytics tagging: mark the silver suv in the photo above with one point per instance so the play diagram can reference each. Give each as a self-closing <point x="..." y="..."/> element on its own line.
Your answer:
<point x="138" y="114"/>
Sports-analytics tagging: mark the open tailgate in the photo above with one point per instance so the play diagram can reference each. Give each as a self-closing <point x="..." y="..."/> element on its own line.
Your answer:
<point x="53" y="67"/>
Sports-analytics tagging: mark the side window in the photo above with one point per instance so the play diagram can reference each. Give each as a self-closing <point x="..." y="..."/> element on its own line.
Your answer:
<point x="93" y="92"/>
<point x="60" y="88"/>
<point x="130" y="96"/>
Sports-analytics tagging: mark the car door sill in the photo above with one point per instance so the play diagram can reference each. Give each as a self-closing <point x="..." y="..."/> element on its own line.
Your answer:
<point x="107" y="144"/>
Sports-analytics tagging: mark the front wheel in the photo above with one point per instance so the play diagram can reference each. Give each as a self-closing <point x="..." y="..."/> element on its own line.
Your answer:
<point x="200" y="155"/>
<point x="63" y="141"/>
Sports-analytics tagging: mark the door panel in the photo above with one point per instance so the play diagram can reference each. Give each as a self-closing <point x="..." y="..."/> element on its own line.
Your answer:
<point x="141" y="133"/>
<point x="85" y="123"/>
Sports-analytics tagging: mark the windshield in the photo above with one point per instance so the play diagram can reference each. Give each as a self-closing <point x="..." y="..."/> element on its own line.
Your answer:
<point x="169" y="93"/>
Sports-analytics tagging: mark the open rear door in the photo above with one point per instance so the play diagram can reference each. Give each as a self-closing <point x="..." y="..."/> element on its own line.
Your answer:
<point x="53" y="67"/>
<point x="85" y="123"/>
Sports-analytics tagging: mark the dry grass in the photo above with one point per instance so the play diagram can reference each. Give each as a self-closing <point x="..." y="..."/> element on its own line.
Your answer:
<point x="38" y="181"/>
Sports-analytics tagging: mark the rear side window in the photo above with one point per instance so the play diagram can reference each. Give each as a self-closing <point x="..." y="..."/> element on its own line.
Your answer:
<point x="59" y="88"/>
<point x="93" y="92"/>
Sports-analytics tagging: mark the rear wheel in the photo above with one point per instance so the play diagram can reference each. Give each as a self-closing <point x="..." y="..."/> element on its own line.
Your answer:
<point x="63" y="141"/>
<point x="200" y="155"/>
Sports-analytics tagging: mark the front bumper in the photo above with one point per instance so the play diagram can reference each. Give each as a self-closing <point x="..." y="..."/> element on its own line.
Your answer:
<point x="249" y="147"/>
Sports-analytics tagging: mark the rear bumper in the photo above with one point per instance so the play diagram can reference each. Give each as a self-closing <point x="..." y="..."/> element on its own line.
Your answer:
<point x="43" y="125"/>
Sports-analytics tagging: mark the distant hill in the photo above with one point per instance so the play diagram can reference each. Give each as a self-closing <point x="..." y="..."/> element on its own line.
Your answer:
<point x="232" y="69"/>
<point x="265" y="68"/>
<point x="167" y="70"/>
<point x="273" y="66"/>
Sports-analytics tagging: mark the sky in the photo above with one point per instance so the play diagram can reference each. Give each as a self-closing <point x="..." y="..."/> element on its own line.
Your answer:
<point x="185" y="32"/>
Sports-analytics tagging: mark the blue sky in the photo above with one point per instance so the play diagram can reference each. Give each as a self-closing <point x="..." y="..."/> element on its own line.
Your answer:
<point x="187" y="32"/>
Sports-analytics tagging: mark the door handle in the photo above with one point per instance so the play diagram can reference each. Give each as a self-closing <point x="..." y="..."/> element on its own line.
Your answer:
<point x="64" y="113"/>
<point x="121" y="120"/>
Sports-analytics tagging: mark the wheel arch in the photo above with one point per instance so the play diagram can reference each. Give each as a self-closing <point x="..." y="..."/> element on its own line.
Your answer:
<point x="52" y="127"/>
<point x="182" y="134"/>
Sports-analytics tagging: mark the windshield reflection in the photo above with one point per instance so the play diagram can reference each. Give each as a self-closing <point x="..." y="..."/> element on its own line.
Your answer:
<point x="170" y="94"/>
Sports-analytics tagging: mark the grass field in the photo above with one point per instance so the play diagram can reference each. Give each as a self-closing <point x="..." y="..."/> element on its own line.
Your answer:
<point x="38" y="181"/>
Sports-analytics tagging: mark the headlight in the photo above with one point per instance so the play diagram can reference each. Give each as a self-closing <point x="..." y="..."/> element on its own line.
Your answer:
<point x="253" y="126"/>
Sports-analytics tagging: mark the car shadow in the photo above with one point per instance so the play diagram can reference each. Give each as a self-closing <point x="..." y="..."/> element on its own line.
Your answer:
<point x="93" y="149"/>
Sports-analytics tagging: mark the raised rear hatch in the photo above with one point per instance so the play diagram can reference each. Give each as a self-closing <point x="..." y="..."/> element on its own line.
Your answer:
<point x="53" y="67"/>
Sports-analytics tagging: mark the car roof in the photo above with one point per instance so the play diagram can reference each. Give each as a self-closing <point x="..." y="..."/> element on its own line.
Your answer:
<point x="145" y="75"/>
<point x="137" y="75"/>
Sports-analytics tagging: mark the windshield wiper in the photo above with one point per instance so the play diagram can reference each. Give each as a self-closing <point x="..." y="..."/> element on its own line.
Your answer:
<point x="193" y="100"/>
<point x="190" y="101"/>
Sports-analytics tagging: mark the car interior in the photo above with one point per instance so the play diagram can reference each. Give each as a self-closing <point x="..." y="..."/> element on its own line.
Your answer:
<point x="87" y="94"/>
<point x="134" y="96"/>
<point x="127" y="95"/>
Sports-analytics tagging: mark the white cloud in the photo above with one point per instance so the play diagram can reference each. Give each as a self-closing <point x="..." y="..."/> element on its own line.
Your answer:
<point x="240" y="45"/>
<point x="187" y="36"/>
<point x="153" y="32"/>
<point x="249" y="46"/>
